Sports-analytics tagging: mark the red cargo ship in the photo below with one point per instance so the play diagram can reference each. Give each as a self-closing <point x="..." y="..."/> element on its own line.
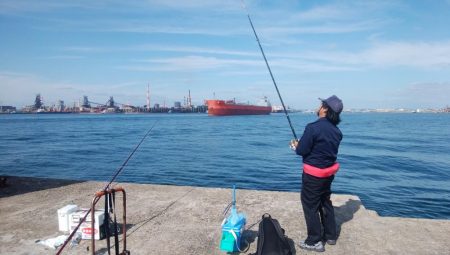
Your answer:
<point x="230" y="107"/>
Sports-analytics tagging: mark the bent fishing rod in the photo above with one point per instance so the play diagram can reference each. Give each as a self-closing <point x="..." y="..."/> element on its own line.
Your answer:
<point x="270" y="71"/>
<point x="106" y="187"/>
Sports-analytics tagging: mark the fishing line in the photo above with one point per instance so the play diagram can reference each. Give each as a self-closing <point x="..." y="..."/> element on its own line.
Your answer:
<point x="270" y="71"/>
<point x="106" y="187"/>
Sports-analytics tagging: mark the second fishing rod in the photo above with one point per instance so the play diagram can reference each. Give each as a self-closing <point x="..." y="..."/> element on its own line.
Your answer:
<point x="270" y="71"/>
<point x="107" y="186"/>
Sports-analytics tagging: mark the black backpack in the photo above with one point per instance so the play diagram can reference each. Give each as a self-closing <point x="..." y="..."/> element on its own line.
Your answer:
<point x="271" y="238"/>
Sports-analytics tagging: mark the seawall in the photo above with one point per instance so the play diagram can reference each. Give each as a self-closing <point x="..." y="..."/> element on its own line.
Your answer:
<point x="186" y="220"/>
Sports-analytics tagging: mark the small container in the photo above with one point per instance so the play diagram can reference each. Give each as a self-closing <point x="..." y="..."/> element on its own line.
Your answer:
<point x="231" y="237"/>
<point x="86" y="227"/>
<point x="232" y="228"/>
<point x="63" y="216"/>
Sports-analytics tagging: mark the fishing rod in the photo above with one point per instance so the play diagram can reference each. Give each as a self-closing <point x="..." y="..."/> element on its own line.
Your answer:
<point x="129" y="157"/>
<point x="270" y="71"/>
<point x="106" y="187"/>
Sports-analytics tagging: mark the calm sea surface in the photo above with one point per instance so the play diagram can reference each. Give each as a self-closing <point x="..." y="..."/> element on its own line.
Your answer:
<point x="398" y="164"/>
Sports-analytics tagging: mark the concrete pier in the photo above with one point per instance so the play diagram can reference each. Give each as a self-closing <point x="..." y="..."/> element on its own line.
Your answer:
<point x="186" y="220"/>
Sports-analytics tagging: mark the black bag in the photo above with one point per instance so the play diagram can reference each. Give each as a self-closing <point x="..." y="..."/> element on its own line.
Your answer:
<point x="271" y="238"/>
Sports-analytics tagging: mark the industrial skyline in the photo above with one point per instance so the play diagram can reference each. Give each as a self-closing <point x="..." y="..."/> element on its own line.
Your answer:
<point x="110" y="106"/>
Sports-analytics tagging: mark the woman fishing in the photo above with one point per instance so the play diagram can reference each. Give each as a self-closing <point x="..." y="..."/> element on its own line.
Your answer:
<point x="319" y="146"/>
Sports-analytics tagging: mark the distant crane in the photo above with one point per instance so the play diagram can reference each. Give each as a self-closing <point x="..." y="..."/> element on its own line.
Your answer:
<point x="109" y="104"/>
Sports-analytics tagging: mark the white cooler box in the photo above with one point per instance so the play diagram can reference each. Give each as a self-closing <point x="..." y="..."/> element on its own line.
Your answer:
<point x="63" y="217"/>
<point x="85" y="228"/>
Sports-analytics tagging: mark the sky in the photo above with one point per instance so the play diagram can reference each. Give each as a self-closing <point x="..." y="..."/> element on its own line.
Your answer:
<point x="371" y="54"/>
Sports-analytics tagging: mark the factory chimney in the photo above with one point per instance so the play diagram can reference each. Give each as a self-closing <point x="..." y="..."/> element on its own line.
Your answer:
<point x="148" y="97"/>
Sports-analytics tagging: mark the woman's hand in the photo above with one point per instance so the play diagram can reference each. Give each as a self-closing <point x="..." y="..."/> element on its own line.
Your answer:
<point x="293" y="144"/>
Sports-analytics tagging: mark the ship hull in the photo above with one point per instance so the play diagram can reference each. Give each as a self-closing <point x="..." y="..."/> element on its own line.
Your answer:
<point x="223" y="108"/>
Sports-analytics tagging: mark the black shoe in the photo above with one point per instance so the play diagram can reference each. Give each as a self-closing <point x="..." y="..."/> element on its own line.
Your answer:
<point x="331" y="242"/>
<point x="318" y="247"/>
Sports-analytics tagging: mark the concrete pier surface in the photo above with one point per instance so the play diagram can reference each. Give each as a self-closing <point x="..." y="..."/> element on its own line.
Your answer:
<point x="186" y="220"/>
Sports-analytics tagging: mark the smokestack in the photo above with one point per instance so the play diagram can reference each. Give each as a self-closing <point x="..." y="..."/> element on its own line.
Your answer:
<point x="189" y="99"/>
<point x="148" y="97"/>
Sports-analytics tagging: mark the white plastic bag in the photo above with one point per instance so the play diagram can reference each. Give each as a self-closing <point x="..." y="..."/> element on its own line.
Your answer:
<point x="55" y="242"/>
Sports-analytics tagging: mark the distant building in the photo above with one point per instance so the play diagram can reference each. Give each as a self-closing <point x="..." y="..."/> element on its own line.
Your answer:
<point x="38" y="102"/>
<point x="28" y="109"/>
<point x="60" y="106"/>
<point x="177" y="105"/>
<point x="129" y="108"/>
<point x="7" y="109"/>
<point x="86" y="103"/>
<point x="110" y="103"/>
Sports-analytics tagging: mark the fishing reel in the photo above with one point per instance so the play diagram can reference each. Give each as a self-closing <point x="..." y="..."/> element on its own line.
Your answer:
<point x="293" y="144"/>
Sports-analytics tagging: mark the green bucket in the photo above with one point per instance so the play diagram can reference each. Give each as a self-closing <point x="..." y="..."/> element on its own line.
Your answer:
<point x="228" y="243"/>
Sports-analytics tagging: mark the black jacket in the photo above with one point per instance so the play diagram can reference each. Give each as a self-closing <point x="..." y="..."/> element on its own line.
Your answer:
<point x="320" y="143"/>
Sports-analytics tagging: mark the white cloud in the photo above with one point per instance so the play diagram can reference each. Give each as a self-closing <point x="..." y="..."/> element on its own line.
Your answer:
<point x="12" y="6"/>
<point x="422" y="55"/>
<point x="187" y="49"/>
<point x="325" y="19"/>
<point x="350" y="10"/>
<point x="22" y="88"/>
<point x="328" y="28"/>
<point x="325" y="12"/>
<point x="32" y="6"/>
<point x="441" y="89"/>
<point x="196" y="4"/>
<point x="424" y="94"/>
<point x="128" y="27"/>
<point x="162" y="48"/>
<point x="214" y="27"/>
<point x="329" y="18"/>
<point x="387" y="54"/>
<point x="145" y="23"/>
<point x="86" y="49"/>
<point x="65" y="57"/>
<point x="414" y="54"/>
<point x="190" y="63"/>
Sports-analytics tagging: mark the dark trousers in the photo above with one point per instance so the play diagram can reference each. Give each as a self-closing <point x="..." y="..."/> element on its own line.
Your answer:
<point x="317" y="208"/>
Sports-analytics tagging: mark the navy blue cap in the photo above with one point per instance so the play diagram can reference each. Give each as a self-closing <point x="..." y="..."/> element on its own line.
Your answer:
<point x="334" y="103"/>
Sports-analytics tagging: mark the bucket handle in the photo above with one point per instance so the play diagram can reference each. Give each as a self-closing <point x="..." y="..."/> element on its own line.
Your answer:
<point x="236" y="240"/>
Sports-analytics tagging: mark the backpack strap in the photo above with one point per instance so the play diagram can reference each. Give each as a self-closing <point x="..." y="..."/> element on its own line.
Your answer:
<point x="283" y="237"/>
<point x="278" y="228"/>
<point x="266" y="215"/>
<point x="260" y="243"/>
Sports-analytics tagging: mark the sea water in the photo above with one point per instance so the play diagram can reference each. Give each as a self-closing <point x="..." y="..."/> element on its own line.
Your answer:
<point x="397" y="163"/>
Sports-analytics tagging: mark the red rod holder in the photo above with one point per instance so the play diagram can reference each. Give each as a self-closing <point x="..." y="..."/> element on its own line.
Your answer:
<point x="97" y="197"/>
